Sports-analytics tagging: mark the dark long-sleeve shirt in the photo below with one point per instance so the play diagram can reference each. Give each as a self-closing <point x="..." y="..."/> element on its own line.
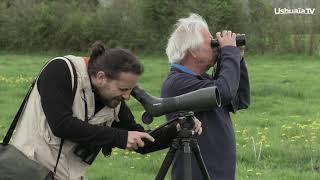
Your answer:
<point x="217" y="142"/>
<point x="55" y="88"/>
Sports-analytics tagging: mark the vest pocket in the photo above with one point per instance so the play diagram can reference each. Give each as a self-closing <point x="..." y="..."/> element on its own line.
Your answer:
<point x="50" y="138"/>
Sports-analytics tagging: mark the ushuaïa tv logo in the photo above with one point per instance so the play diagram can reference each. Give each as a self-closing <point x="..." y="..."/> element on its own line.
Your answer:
<point x="302" y="11"/>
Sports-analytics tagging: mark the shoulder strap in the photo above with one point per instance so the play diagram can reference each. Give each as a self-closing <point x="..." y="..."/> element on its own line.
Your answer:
<point x="75" y="78"/>
<point x="13" y="125"/>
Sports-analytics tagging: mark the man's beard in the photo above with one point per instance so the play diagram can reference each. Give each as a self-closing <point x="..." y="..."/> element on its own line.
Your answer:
<point x="111" y="102"/>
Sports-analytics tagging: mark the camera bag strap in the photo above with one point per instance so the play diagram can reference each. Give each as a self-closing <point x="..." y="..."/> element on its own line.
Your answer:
<point x="14" y="123"/>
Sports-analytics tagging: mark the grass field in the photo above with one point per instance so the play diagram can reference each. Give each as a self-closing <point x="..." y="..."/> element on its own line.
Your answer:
<point x="277" y="138"/>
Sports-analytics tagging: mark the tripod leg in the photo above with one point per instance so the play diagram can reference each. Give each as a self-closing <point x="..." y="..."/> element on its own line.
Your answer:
<point x="196" y="151"/>
<point x="167" y="161"/>
<point x="187" y="175"/>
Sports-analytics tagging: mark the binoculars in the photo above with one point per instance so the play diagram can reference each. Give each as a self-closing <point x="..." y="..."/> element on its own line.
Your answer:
<point x="240" y="41"/>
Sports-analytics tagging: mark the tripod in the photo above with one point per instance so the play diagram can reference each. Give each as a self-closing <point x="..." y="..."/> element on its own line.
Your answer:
<point x="185" y="142"/>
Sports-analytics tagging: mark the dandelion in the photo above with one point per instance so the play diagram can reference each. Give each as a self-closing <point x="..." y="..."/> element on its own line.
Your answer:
<point x="244" y="145"/>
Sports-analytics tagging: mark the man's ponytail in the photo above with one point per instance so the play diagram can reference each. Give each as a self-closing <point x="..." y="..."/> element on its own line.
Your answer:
<point x="97" y="49"/>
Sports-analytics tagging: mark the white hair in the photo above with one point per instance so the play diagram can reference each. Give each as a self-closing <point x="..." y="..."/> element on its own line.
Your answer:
<point x="187" y="35"/>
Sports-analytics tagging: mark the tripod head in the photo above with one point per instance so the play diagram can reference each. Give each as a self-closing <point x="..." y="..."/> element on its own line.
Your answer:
<point x="186" y="122"/>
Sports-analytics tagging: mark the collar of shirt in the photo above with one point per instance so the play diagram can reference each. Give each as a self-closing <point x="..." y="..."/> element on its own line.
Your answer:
<point x="188" y="71"/>
<point x="183" y="69"/>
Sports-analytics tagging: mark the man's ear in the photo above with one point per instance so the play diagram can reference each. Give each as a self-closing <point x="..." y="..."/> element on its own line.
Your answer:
<point x="100" y="76"/>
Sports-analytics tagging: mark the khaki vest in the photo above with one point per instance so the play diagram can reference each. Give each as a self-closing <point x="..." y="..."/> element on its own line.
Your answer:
<point x="34" y="137"/>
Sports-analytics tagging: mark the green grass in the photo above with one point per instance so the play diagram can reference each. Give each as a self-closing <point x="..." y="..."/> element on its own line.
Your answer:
<point x="282" y="124"/>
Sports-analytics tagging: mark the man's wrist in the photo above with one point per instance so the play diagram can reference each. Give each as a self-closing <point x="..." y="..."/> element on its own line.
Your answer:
<point x="121" y="138"/>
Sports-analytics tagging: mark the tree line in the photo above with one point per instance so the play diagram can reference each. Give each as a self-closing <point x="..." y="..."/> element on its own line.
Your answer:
<point x="144" y="25"/>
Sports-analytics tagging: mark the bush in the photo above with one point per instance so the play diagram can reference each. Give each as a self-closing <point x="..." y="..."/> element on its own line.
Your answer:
<point x="144" y="25"/>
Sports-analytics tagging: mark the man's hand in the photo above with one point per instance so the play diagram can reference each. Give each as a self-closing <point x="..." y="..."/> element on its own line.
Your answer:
<point x="197" y="126"/>
<point x="227" y="38"/>
<point x="135" y="139"/>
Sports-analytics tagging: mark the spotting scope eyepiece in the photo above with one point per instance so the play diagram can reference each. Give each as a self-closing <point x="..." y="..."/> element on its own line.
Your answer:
<point x="199" y="100"/>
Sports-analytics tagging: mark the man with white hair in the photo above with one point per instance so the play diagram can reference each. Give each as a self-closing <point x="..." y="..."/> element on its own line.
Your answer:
<point x="191" y="55"/>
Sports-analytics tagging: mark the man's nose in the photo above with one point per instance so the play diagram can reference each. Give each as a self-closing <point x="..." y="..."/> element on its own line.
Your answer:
<point x="126" y="95"/>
